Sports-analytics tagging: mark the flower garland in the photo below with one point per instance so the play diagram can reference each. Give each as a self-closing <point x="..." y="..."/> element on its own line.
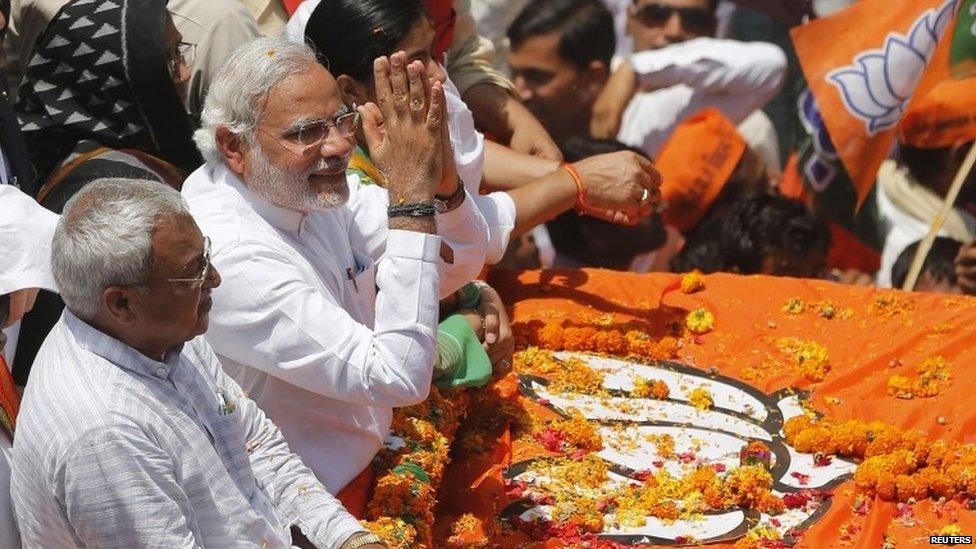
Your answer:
<point x="401" y="509"/>
<point x="895" y="465"/>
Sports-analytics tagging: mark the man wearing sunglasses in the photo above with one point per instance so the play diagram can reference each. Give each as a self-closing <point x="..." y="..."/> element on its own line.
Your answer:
<point x="678" y="69"/>
<point x="130" y="434"/>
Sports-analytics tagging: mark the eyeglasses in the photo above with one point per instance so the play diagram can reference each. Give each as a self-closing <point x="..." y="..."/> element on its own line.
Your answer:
<point x="184" y="53"/>
<point x="311" y="134"/>
<point x="195" y="282"/>
<point x="694" y="20"/>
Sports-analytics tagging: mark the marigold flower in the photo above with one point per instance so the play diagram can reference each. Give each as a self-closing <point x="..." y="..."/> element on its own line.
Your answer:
<point x="692" y="282"/>
<point x="700" y="321"/>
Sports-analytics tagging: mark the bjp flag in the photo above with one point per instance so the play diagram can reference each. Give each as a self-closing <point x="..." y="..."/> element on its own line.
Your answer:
<point x="864" y="65"/>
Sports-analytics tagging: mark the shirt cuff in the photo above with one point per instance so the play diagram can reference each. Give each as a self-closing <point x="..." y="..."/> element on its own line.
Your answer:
<point x="413" y="245"/>
<point x="447" y="222"/>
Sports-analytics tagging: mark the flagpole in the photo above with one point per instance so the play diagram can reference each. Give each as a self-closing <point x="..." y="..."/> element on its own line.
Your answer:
<point x="926" y="244"/>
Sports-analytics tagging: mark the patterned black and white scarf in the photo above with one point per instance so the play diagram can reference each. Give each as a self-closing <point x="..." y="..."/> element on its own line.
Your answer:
<point x="99" y="73"/>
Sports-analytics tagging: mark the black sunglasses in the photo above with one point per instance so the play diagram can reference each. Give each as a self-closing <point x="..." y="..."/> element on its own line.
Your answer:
<point x="695" y="20"/>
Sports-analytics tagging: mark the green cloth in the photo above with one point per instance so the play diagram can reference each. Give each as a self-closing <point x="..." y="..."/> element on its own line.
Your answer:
<point x="461" y="360"/>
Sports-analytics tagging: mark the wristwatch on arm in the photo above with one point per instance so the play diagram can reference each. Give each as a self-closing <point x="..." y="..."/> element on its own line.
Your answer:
<point x="444" y="204"/>
<point x="361" y="539"/>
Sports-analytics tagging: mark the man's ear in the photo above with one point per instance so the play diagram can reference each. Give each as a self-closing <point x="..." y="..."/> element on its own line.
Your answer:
<point x="597" y="74"/>
<point x="232" y="146"/>
<point x="352" y="91"/>
<point x="118" y="304"/>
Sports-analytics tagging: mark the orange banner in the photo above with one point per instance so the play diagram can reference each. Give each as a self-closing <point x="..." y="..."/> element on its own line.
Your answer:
<point x="743" y="356"/>
<point x="864" y="65"/>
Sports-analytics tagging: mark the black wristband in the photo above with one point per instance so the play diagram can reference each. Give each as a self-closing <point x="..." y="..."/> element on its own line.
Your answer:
<point x="418" y="209"/>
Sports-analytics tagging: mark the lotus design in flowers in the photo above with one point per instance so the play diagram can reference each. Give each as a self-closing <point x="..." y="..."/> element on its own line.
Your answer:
<point x="877" y="86"/>
<point x="712" y="436"/>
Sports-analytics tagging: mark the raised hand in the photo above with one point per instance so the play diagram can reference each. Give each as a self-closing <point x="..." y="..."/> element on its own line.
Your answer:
<point x="404" y="129"/>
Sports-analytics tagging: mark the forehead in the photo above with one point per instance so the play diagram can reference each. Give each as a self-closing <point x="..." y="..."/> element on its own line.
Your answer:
<point x="312" y="93"/>
<point x="176" y="240"/>
<point x="707" y="4"/>
<point x="538" y="51"/>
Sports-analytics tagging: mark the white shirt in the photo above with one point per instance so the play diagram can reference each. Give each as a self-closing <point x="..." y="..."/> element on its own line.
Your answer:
<point x="468" y="145"/>
<point x="734" y="77"/>
<point x="901" y="230"/>
<point x="26" y="230"/>
<point x="329" y="319"/>
<point x="114" y="449"/>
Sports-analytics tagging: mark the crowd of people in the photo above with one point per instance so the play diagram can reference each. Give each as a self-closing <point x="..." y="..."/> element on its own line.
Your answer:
<point x="237" y="234"/>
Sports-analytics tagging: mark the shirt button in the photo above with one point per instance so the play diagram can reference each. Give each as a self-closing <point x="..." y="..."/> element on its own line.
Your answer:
<point x="160" y="372"/>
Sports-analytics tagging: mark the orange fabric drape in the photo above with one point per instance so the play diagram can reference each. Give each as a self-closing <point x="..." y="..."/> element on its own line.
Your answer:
<point x="875" y="334"/>
<point x="355" y="495"/>
<point x="9" y="401"/>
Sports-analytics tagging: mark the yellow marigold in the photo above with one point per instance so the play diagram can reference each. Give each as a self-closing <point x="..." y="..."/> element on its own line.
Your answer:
<point x="651" y="388"/>
<point x="950" y="530"/>
<point x="748" y="487"/>
<point x="809" y="357"/>
<point x="584" y="512"/>
<point x="794" y="306"/>
<point x="692" y="282"/>
<point x="755" y="537"/>
<point x="701" y="398"/>
<point x="577" y="432"/>
<point x="934" y="373"/>
<point x="394" y="531"/>
<point x="463" y="529"/>
<point x="700" y="321"/>
<point x="663" y="444"/>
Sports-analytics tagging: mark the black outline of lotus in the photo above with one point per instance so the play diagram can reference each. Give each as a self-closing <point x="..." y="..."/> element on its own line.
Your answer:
<point x="772" y="425"/>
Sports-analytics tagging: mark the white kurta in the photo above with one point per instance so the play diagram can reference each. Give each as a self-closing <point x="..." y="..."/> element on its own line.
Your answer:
<point x="468" y="145"/>
<point x="328" y="320"/>
<point x="734" y="77"/>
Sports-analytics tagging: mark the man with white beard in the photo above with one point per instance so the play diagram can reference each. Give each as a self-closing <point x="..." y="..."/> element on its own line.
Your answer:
<point x="328" y="310"/>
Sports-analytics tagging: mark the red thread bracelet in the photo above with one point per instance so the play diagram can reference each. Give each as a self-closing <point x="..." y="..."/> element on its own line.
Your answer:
<point x="580" y="188"/>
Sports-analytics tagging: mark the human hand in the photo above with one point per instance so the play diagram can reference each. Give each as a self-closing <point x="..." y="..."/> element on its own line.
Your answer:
<point x="499" y="342"/>
<point x="608" y="110"/>
<point x="21" y="302"/>
<point x="621" y="187"/>
<point x="966" y="268"/>
<point x="404" y="128"/>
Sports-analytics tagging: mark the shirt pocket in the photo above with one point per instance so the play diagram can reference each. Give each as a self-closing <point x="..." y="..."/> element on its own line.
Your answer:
<point x="361" y="286"/>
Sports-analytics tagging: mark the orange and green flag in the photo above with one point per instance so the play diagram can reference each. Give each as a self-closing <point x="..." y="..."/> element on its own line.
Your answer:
<point x="865" y="64"/>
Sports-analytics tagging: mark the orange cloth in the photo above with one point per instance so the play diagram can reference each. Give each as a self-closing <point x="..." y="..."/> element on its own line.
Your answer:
<point x="9" y="401"/>
<point x="696" y="162"/>
<point x="865" y="350"/>
<point x="944" y="117"/>
<point x="828" y="50"/>
<point x="355" y="495"/>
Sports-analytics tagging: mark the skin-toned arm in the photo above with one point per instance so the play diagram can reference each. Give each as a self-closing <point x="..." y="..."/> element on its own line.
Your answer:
<point x="608" y="110"/>
<point x="614" y="185"/>
<point x="499" y="113"/>
<point x="506" y="169"/>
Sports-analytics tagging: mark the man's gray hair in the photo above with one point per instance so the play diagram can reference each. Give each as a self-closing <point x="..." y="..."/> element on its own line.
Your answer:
<point x="236" y="98"/>
<point x="104" y="238"/>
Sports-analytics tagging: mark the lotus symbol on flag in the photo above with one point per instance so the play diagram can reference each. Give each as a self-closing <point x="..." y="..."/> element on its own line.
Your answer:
<point x="877" y="86"/>
<point x="714" y="438"/>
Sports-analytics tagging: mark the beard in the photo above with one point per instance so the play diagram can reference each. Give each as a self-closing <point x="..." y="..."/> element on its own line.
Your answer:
<point x="294" y="189"/>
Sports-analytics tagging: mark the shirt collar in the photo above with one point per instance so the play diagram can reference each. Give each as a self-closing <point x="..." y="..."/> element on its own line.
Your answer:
<point x="282" y="218"/>
<point x="118" y="353"/>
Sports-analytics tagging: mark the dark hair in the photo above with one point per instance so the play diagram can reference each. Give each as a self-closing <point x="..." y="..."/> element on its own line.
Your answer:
<point x="924" y="164"/>
<point x="940" y="263"/>
<point x="594" y="242"/>
<point x="764" y="226"/>
<point x="585" y="29"/>
<point x="702" y="249"/>
<point x="348" y="35"/>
